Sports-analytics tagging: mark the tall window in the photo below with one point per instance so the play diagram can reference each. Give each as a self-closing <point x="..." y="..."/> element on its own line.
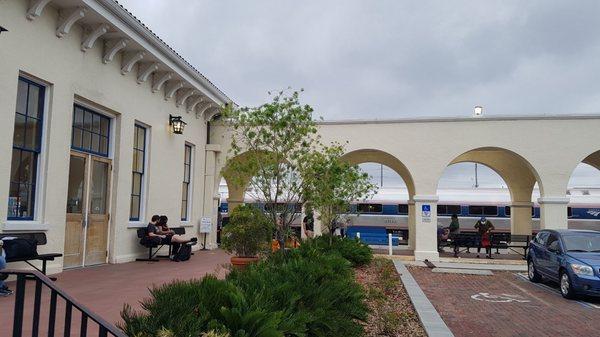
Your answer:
<point x="185" y="192"/>
<point x="91" y="131"/>
<point x="139" y="158"/>
<point x="27" y="143"/>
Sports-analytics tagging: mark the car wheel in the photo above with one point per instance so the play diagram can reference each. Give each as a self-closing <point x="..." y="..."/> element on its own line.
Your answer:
<point x="532" y="273"/>
<point x="566" y="287"/>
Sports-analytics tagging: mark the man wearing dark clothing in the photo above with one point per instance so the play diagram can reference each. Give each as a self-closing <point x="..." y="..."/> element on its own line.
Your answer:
<point x="309" y="224"/>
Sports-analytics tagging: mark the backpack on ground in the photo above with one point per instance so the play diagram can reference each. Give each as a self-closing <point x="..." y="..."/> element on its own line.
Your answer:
<point x="18" y="248"/>
<point x="184" y="253"/>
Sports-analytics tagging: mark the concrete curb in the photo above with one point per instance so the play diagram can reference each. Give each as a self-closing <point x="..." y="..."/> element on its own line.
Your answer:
<point x="430" y="318"/>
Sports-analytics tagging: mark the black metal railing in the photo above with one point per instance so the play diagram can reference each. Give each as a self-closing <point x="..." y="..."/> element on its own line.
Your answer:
<point x="104" y="329"/>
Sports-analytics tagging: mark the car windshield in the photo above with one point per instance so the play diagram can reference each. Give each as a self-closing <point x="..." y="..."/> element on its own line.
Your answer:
<point x="582" y="242"/>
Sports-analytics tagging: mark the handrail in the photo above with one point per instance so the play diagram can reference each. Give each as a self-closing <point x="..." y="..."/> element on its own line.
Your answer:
<point x="104" y="326"/>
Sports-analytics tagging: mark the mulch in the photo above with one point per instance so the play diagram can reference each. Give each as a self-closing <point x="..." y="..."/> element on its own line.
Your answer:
<point x="392" y="313"/>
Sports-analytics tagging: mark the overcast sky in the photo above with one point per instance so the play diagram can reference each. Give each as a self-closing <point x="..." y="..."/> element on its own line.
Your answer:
<point x="391" y="59"/>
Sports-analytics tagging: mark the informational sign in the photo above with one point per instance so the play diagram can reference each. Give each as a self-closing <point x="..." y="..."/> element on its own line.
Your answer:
<point x="205" y="225"/>
<point x="426" y="213"/>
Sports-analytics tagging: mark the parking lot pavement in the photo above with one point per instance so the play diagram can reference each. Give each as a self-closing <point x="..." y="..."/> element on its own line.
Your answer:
<point x="506" y="304"/>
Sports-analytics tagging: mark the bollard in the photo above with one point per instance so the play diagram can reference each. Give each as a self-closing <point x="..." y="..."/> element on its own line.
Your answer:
<point x="390" y="244"/>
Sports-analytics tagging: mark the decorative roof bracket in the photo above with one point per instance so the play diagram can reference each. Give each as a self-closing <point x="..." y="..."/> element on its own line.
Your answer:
<point x="91" y="38"/>
<point x="36" y="7"/>
<point x="68" y="18"/>
<point x="130" y="59"/>
<point x="112" y="48"/>
<point x="146" y="71"/>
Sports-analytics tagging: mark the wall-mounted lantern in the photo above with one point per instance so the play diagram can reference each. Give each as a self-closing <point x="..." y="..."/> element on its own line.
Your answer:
<point x="177" y="124"/>
<point x="478" y="111"/>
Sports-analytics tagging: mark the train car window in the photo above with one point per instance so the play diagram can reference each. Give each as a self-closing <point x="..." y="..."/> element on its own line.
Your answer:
<point x="490" y="210"/>
<point x="569" y="212"/>
<point x="403" y="209"/>
<point x="453" y="209"/>
<point x="507" y="210"/>
<point x="448" y="209"/>
<point x="298" y="208"/>
<point x="475" y="210"/>
<point x="343" y="209"/>
<point x="370" y="208"/>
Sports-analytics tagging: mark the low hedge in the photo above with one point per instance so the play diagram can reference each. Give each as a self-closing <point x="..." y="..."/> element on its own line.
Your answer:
<point x="309" y="292"/>
<point x="353" y="250"/>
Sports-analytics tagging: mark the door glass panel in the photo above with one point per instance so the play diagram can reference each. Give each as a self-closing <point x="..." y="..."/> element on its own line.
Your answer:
<point x="99" y="185"/>
<point x="76" y="185"/>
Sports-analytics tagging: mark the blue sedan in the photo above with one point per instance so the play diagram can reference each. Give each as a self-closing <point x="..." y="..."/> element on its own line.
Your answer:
<point x="569" y="257"/>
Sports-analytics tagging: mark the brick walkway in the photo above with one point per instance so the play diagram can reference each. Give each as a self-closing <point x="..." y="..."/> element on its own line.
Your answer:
<point x="105" y="289"/>
<point x="545" y="313"/>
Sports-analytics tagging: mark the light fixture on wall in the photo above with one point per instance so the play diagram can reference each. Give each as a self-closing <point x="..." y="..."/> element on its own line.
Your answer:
<point x="478" y="111"/>
<point x="177" y="124"/>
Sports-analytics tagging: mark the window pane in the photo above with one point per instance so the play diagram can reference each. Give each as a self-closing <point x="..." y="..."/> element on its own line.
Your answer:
<point x="87" y="121"/>
<point x="96" y="124"/>
<point x="15" y="166"/>
<point x="77" y="138"/>
<point x="104" y="126"/>
<point x="19" y="134"/>
<point x="370" y="208"/>
<point x="136" y="184"/>
<point x="104" y="145"/>
<point x="78" y="118"/>
<point x="33" y="101"/>
<point x="134" y="213"/>
<point x="490" y="210"/>
<point x="184" y="210"/>
<point x="76" y="185"/>
<point x="475" y="210"/>
<point x="95" y="143"/>
<point x="32" y="134"/>
<point x="184" y="192"/>
<point x="402" y="209"/>
<point x="188" y="154"/>
<point x="87" y="140"/>
<point x="98" y="191"/>
<point x="28" y="167"/>
<point x="186" y="173"/>
<point x="141" y="138"/>
<point x="22" y="97"/>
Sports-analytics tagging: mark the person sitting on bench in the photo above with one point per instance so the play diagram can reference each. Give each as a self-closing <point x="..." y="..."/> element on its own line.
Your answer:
<point x="4" y="291"/>
<point x="156" y="233"/>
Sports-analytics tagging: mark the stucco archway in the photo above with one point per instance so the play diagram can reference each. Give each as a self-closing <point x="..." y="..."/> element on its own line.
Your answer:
<point x="362" y="156"/>
<point x="519" y="176"/>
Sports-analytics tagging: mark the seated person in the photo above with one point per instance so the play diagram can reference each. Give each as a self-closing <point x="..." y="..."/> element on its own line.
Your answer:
<point x="157" y="235"/>
<point x="442" y="236"/>
<point x="4" y="291"/>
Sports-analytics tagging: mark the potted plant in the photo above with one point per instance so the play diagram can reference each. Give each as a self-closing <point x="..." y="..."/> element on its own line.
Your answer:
<point x="247" y="234"/>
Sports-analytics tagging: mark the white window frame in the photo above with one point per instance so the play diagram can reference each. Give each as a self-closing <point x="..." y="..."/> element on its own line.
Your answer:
<point x="38" y="222"/>
<point x="187" y="222"/>
<point x="141" y="222"/>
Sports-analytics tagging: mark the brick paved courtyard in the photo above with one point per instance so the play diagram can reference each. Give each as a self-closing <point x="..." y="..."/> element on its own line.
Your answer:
<point x="528" y="310"/>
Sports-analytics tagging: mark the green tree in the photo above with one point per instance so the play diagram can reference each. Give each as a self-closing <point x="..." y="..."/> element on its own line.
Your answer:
<point x="275" y="140"/>
<point x="331" y="184"/>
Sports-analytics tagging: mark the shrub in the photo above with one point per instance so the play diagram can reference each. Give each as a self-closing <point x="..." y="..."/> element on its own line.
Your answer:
<point x="352" y="250"/>
<point x="316" y="293"/>
<point x="248" y="232"/>
<point x="188" y="308"/>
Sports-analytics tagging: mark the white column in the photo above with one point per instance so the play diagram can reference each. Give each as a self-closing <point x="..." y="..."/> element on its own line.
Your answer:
<point x="210" y="199"/>
<point x="411" y="224"/>
<point x="426" y="227"/>
<point x="520" y="218"/>
<point x="553" y="212"/>
<point x="318" y="226"/>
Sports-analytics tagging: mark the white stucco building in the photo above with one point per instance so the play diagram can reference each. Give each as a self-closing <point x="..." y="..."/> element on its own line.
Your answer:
<point x="88" y="153"/>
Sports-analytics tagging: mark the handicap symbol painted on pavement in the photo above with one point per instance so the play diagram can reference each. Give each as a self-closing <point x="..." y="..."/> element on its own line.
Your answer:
<point x="502" y="298"/>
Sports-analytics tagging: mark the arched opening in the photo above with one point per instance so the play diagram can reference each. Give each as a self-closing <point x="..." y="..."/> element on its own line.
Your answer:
<point x="583" y="190"/>
<point x="391" y="210"/>
<point x="494" y="183"/>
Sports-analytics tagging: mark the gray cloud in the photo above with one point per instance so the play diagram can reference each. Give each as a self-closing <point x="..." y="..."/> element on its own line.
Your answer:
<point x="390" y="59"/>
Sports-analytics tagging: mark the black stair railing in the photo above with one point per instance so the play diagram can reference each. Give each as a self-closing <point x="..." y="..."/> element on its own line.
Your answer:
<point x="104" y="329"/>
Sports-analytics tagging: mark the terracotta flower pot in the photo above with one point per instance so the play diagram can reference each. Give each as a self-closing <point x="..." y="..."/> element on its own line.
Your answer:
<point x="242" y="262"/>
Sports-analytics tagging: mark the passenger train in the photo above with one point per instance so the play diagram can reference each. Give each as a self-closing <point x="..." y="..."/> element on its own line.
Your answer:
<point x="389" y="209"/>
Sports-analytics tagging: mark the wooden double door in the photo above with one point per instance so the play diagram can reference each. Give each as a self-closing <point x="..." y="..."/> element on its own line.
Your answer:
<point x="88" y="200"/>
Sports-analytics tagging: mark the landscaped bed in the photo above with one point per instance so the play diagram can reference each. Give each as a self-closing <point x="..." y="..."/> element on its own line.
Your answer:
<point x="328" y="287"/>
<point x="391" y="312"/>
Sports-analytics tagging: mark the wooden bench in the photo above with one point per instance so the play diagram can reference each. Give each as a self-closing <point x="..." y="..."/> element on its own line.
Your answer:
<point x="40" y="240"/>
<point x="498" y="241"/>
<point x="142" y="232"/>
<point x="511" y="242"/>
